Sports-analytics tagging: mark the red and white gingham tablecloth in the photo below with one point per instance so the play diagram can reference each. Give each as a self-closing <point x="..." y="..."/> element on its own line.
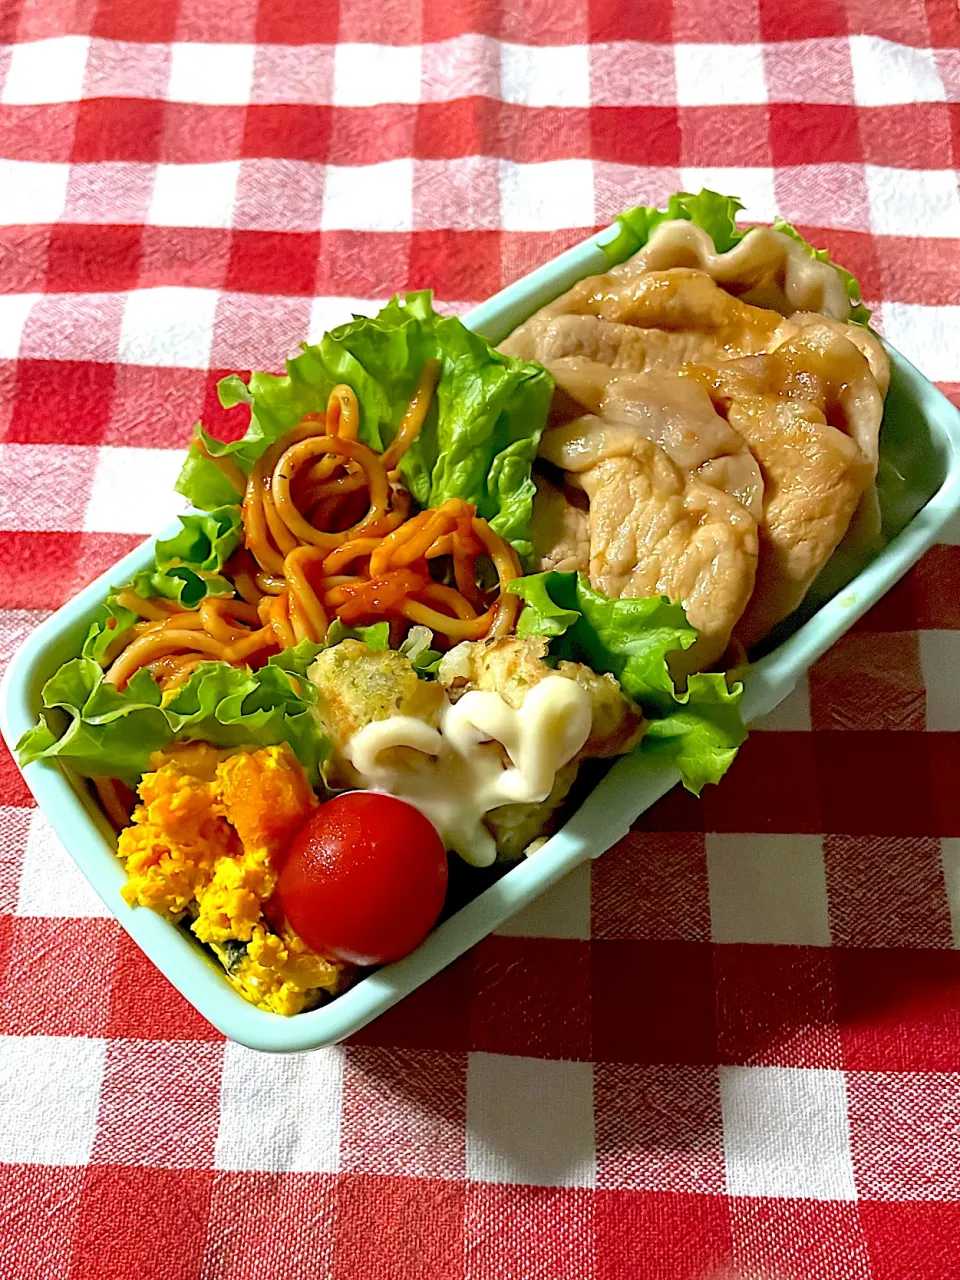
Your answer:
<point x="731" y="1048"/>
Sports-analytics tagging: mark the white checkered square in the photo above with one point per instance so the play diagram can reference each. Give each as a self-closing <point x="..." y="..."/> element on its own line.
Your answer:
<point x="929" y="336"/>
<point x="546" y="196"/>
<point x="561" y="912"/>
<point x="44" y="71"/>
<point x="32" y="192"/>
<point x="885" y="73"/>
<point x="793" y="713"/>
<point x="899" y="197"/>
<point x="755" y="187"/>
<point x="49" y="1096"/>
<point x="328" y="313"/>
<point x="530" y="1121"/>
<point x="168" y="326"/>
<point x="372" y="197"/>
<point x="215" y="74"/>
<point x="280" y="1112"/>
<point x="50" y="882"/>
<point x="786" y="1133"/>
<point x="292" y="74"/>
<point x="14" y="310"/>
<point x="719" y="75"/>
<point x="365" y="75"/>
<point x="132" y="490"/>
<point x="545" y="75"/>
<point x="194" y="195"/>
<point x="279" y="195"/>
<point x="768" y="889"/>
<point x="466" y="66"/>
<point x="126" y="69"/>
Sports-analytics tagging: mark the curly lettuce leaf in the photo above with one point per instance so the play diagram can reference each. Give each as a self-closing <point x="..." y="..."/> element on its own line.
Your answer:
<point x="187" y="567"/>
<point x="699" y="729"/>
<point x="108" y="632"/>
<point x="106" y="732"/>
<point x="477" y="443"/>
<point x="717" y="215"/>
<point x="202" y="482"/>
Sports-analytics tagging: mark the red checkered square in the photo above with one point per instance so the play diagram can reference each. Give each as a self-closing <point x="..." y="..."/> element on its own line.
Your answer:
<point x="455" y="199"/>
<point x="899" y="1010"/>
<point x="173" y="1127"/>
<point x="38" y="1205"/>
<point x="126" y="20"/>
<point x="906" y="23"/>
<point x="92" y="259"/>
<point x="802" y="133"/>
<point x="12" y="785"/>
<point x="869" y="681"/>
<point x="144" y="1006"/>
<point x="652" y="886"/>
<point x="257" y="332"/>
<point x="285" y="73"/>
<point x="187" y="256"/>
<point x="772" y="786"/>
<point x="404" y="1113"/>
<point x="816" y="19"/>
<point x="23" y="252"/>
<point x="653" y="1002"/>
<point x="905" y="1134"/>
<point x="737" y="23"/>
<point x="645" y="136"/>
<point x="147" y="1223"/>
<point x="805" y="1239"/>
<point x="659" y="1128"/>
<point x="658" y="1235"/>
<point x="612" y="21"/>
<point x="40" y="19"/>
<point x="46" y="991"/>
<point x="456" y="265"/>
<point x="912" y="1240"/>
<point x="276" y="1226"/>
<point x="273" y="262"/>
<point x="62" y="402"/>
<point x="882" y="783"/>
<point x="919" y="271"/>
<point x="288" y="131"/>
<point x="886" y="892"/>
<point x="288" y="22"/>
<point x="111" y="129"/>
<point x="924" y="598"/>
<point x="434" y="1016"/>
<point x="43" y="570"/>
<point x="626" y="74"/>
<point x="412" y="1226"/>
<point x="776" y="1007"/>
<point x="43" y="132"/>
<point x="520" y="984"/>
<point x="528" y="1231"/>
<point x="154" y="408"/>
<point x="545" y="22"/>
<point x="362" y="264"/>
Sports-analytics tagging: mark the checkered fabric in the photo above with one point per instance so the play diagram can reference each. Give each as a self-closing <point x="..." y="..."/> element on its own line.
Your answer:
<point x="731" y="1048"/>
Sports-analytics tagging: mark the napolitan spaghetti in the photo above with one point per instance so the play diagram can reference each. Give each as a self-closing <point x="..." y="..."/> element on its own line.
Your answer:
<point x="327" y="533"/>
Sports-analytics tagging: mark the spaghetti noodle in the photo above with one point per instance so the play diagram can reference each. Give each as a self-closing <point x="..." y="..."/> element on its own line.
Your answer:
<point x="327" y="532"/>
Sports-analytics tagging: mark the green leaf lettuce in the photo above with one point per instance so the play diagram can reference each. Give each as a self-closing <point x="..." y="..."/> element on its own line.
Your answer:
<point x="699" y="729"/>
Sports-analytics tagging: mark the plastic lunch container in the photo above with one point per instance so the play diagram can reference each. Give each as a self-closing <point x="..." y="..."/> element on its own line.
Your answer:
<point x="920" y="457"/>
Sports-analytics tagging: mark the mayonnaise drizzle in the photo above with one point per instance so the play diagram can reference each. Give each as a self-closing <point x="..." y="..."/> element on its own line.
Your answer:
<point x="459" y="773"/>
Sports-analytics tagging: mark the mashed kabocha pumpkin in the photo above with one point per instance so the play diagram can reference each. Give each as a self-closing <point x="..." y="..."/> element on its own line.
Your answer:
<point x="203" y="849"/>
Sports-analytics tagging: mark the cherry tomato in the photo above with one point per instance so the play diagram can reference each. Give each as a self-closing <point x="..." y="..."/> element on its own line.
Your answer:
<point x="365" y="879"/>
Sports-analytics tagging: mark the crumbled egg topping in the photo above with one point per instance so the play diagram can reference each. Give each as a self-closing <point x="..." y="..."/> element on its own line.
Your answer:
<point x="203" y="847"/>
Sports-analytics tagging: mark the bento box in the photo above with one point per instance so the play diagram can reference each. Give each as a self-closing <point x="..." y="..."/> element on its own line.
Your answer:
<point x="920" y="449"/>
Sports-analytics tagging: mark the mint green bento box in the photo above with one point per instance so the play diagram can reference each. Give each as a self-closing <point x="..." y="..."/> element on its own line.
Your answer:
<point x="920" y="461"/>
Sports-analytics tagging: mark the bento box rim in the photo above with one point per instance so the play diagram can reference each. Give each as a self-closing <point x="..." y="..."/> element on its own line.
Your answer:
<point x="606" y="815"/>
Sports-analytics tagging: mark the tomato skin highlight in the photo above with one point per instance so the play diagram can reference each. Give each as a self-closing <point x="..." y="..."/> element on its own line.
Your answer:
<point x="365" y="879"/>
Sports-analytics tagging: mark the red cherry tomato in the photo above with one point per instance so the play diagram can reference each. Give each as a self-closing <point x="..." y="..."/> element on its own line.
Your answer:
<point x="365" y="879"/>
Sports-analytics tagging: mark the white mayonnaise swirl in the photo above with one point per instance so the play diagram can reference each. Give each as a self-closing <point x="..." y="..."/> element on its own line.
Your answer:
<point x="485" y="754"/>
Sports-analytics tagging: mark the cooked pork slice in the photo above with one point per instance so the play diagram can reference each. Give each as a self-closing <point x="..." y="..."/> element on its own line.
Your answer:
<point x="683" y="302"/>
<point x="559" y="529"/>
<point x="658" y="530"/>
<point x="767" y="268"/>
<point x="815" y="476"/>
